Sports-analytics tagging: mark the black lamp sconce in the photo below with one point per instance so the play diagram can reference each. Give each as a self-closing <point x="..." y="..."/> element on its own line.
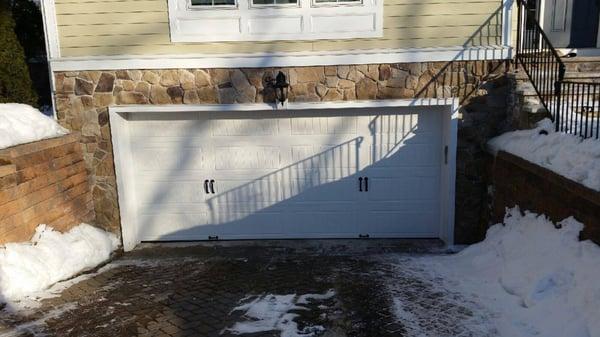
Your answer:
<point x="280" y="86"/>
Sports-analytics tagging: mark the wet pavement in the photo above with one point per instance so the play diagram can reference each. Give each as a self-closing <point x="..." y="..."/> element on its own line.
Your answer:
<point x="370" y="288"/>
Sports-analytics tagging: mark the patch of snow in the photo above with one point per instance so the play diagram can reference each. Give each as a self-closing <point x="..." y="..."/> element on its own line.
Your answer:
<point x="21" y="123"/>
<point x="275" y="312"/>
<point x="537" y="280"/>
<point x="51" y="256"/>
<point x="565" y="154"/>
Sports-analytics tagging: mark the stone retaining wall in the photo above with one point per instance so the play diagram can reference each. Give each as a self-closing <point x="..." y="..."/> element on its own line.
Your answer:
<point x="82" y="99"/>
<point x="519" y="182"/>
<point x="44" y="182"/>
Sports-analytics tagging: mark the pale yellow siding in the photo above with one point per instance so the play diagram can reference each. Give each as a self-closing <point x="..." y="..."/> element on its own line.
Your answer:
<point x="141" y="27"/>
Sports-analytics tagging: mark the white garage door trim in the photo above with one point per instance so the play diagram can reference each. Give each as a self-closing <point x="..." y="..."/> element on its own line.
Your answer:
<point x="125" y="175"/>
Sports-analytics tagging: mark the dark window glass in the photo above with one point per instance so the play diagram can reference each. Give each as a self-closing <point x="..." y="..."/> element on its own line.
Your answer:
<point x="206" y="3"/>
<point x="274" y="2"/>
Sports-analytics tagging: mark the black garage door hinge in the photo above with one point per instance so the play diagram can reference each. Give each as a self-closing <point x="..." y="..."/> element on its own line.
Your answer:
<point x="363" y="236"/>
<point x="213" y="237"/>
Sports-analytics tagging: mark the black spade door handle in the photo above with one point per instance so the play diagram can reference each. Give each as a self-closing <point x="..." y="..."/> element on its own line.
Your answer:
<point x="360" y="179"/>
<point x="206" y="186"/>
<point x="212" y="186"/>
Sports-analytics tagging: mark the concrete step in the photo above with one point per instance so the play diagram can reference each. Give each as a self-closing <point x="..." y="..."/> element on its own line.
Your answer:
<point x="535" y="109"/>
<point x="526" y="89"/>
<point x="582" y="64"/>
<point x="593" y="77"/>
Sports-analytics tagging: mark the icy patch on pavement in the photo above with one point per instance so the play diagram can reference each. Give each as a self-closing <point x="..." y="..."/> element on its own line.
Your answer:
<point x="51" y="256"/>
<point x="427" y="306"/>
<point x="21" y="123"/>
<point x="567" y="155"/>
<point x="275" y="312"/>
<point x="36" y="327"/>
<point x="537" y="280"/>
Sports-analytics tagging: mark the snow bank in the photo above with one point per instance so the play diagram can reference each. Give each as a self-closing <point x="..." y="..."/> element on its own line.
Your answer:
<point x="50" y="257"/>
<point x="20" y="123"/>
<point x="536" y="279"/>
<point x="565" y="154"/>
<point x="275" y="312"/>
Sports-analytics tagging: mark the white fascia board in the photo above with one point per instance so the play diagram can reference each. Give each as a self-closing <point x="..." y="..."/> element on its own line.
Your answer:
<point x="387" y="103"/>
<point x="297" y="59"/>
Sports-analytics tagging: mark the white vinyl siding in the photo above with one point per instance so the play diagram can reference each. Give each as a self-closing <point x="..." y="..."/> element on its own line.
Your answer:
<point x="116" y="27"/>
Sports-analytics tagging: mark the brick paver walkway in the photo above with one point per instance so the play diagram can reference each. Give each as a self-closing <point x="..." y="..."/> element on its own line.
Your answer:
<point x="192" y="290"/>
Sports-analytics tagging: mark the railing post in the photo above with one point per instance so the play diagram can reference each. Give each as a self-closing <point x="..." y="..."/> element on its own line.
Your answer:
<point x="557" y="94"/>
<point x="519" y="29"/>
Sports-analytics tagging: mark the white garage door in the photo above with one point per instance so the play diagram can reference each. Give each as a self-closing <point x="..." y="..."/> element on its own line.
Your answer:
<point x="294" y="174"/>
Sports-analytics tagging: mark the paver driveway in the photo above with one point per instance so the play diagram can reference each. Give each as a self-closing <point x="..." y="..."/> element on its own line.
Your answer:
<point x="361" y="288"/>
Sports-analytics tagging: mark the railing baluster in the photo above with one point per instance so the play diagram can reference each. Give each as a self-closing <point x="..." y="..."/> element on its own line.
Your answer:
<point x="572" y="109"/>
<point x="597" y="112"/>
<point x="587" y="108"/>
<point x="578" y="124"/>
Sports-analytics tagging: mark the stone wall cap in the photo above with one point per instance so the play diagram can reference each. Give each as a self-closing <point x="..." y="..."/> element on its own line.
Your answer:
<point x="37" y="146"/>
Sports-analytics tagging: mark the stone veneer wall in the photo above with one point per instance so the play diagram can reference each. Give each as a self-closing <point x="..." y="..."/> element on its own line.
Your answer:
<point x="82" y="99"/>
<point x="519" y="182"/>
<point x="44" y="182"/>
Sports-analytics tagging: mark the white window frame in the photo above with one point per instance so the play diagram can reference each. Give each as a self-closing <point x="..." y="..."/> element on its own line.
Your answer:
<point x="251" y="4"/>
<point x="340" y="3"/>
<point x="191" y="7"/>
<point x="245" y="21"/>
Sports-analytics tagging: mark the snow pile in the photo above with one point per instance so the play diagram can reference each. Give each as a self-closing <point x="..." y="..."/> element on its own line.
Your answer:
<point x="20" y="123"/>
<point x="536" y="279"/>
<point x="50" y="257"/>
<point x="275" y="312"/>
<point x="565" y="154"/>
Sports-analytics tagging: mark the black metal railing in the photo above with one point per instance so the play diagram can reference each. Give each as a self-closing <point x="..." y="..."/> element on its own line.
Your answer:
<point x="573" y="106"/>
<point x="578" y="110"/>
<point x="539" y="59"/>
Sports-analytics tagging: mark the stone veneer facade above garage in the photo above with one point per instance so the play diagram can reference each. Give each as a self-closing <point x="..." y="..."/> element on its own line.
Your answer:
<point x="82" y="100"/>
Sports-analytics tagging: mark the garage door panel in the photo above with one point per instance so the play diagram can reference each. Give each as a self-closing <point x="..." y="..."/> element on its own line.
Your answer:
<point x="402" y="188"/>
<point x="324" y="125"/>
<point x="158" y="225"/>
<point x="171" y="128"/>
<point x="403" y="171"/>
<point x="320" y="222"/>
<point x="158" y="193"/>
<point x="237" y="191"/>
<point x="402" y="205"/>
<point x="407" y="224"/>
<point x="327" y="155"/>
<point x="408" y="155"/>
<point x="249" y="157"/>
<point x="239" y="223"/>
<point x="172" y="158"/>
<point x="245" y="127"/>
<point x="323" y="190"/>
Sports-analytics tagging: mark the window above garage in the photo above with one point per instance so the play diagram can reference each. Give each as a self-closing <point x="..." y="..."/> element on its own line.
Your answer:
<point x="268" y="20"/>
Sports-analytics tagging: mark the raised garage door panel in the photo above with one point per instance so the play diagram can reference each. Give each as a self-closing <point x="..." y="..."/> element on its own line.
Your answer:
<point x="286" y="174"/>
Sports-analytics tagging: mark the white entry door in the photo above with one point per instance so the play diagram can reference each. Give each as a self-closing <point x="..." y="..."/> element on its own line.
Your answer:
<point x="292" y="174"/>
<point x="556" y="17"/>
